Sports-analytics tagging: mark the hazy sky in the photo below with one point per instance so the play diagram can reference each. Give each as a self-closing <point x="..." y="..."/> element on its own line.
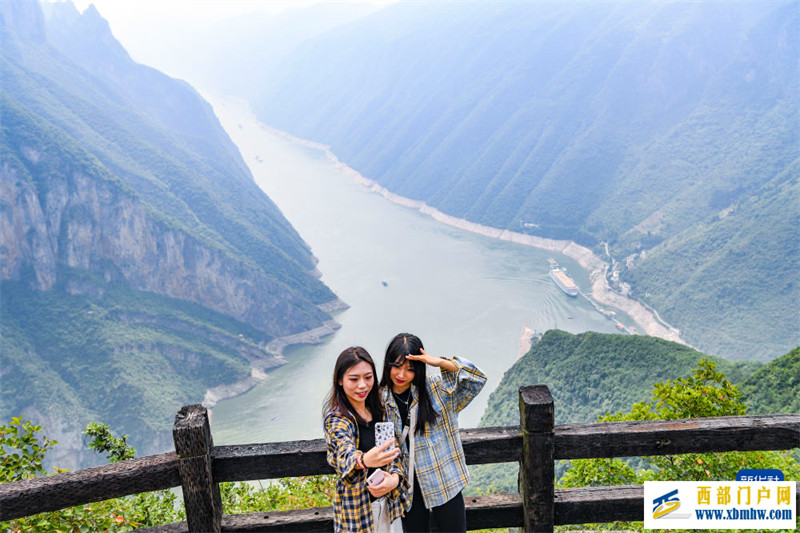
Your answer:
<point x="144" y="27"/>
<point x="131" y="13"/>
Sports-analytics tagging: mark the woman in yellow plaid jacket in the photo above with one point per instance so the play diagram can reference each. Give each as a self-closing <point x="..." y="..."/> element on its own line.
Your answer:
<point x="352" y="408"/>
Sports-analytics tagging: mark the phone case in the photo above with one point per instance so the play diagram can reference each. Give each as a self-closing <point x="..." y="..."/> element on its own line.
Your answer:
<point x="375" y="478"/>
<point x="384" y="431"/>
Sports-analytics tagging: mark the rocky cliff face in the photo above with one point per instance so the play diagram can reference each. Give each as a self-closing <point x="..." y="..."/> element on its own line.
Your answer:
<point x="130" y="215"/>
<point x="78" y="221"/>
<point x="22" y="232"/>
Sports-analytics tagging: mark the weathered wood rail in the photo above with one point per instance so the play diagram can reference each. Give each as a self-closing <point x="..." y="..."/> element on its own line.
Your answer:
<point x="198" y="467"/>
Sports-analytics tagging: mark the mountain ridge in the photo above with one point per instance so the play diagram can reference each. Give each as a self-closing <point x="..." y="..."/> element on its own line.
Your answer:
<point x="601" y="124"/>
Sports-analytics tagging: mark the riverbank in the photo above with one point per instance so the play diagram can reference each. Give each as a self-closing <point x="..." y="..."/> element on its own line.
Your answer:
<point x="274" y="351"/>
<point x="469" y="295"/>
<point x="646" y="318"/>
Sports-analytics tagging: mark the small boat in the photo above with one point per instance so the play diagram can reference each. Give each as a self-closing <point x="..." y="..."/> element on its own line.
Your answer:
<point x="384" y="284"/>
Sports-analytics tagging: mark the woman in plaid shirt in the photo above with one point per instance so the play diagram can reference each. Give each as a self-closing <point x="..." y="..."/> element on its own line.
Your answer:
<point x="425" y="410"/>
<point x="353" y="407"/>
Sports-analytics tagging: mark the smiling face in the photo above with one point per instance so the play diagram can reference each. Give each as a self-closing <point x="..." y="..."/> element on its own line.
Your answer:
<point x="356" y="382"/>
<point x="402" y="374"/>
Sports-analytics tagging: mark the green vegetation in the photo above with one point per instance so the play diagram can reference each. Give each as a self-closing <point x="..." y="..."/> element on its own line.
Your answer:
<point x="594" y="373"/>
<point x="23" y="447"/>
<point x="22" y="450"/>
<point x="282" y="495"/>
<point x="710" y="280"/>
<point x="25" y="443"/>
<point x="590" y="374"/>
<point x="127" y="354"/>
<point x="705" y="393"/>
<point x="223" y="209"/>
<point x="774" y="388"/>
<point x="652" y="127"/>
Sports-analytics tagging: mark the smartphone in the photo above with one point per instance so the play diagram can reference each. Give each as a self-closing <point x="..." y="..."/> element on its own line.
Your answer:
<point x="376" y="478"/>
<point x="384" y="432"/>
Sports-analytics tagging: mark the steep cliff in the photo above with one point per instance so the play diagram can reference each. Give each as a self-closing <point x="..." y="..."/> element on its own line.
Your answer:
<point x="65" y="211"/>
<point x="140" y="265"/>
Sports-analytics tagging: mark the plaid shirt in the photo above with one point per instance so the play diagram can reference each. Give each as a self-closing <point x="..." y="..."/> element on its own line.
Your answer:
<point x="439" y="463"/>
<point x="352" y="511"/>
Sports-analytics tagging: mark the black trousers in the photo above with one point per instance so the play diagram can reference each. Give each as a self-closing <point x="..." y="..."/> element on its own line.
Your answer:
<point x="450" y="517"/>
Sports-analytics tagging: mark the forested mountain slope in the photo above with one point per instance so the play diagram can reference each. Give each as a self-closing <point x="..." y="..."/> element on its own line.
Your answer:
<point x="774" y="388"/>
<point x="140" y="264"/>
<point x="590" y="374"/>
<point x="668" y="130"/>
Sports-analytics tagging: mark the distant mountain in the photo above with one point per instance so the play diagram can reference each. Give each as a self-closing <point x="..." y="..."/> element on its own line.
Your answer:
<point x="774" y="388"/>
<point x="140" y="264"/>
<point x="237" y="55"/>
<point x="667" y="130"/>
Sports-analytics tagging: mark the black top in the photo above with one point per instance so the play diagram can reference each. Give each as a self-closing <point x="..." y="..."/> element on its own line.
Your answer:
<point x="366" y="437"/>
<point x="366" y="441"/>
<point x="403" y="401"/>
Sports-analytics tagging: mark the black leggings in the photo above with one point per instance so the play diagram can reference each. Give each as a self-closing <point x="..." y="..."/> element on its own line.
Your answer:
<point x="450" y="516"/>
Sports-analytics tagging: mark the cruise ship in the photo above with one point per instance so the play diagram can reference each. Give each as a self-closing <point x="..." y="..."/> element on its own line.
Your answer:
<point x="562" y="279"/>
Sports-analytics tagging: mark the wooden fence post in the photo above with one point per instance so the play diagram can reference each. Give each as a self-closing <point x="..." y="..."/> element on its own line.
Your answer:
<point x="537" y="468"/>
<point x="192" y="435"/>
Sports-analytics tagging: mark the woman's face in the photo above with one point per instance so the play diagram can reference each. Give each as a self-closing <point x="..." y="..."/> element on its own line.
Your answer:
<point x="357" y="381"/>
<point x="401" y="374"/>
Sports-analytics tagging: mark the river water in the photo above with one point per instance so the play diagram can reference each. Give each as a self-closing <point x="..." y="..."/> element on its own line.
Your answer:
<point x="461" y="293"/>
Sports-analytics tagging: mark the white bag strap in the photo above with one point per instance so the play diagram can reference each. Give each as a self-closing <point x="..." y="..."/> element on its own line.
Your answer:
<point x="407" y="431"/>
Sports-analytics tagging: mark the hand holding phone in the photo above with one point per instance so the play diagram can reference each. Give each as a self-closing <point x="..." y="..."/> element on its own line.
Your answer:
<point x="385" y="450"/>
<point x="376" y="478"/>
<point x="381" y="483"/>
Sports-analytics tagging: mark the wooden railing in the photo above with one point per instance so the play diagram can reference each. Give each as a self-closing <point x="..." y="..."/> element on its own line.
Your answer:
<point x="198" y="466"/>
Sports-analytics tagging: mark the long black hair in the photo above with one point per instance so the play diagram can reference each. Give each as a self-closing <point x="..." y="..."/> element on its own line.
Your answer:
<point x="337" y="400"/>
<point x="400" y="346"/>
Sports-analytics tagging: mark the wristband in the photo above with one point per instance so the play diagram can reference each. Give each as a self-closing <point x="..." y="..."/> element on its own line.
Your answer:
<point x="360" y="461"/>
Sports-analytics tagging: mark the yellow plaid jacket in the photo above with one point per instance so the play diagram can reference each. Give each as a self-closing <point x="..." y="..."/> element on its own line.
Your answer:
<point x="352" y="511"/>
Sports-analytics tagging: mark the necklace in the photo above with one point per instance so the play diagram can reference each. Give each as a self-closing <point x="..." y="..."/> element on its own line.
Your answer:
<point x="407" y="421"/>
<point x="400" y="399"/>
